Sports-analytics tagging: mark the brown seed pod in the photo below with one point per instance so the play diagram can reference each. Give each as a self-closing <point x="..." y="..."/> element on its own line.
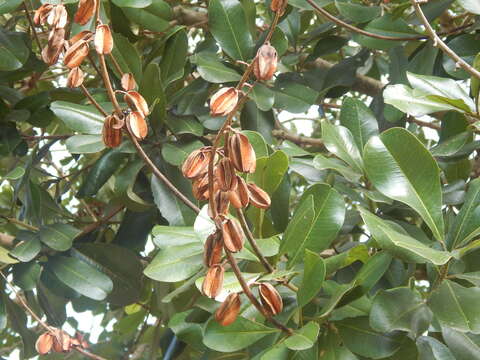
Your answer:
<point x="136" y="102"/>
<point x="240" y="196"/>
<point x="265" y="63"/>
<point x="103" y="40"/>
<point x="75" y="78"/>
<point x="128" y="82"/>
<point x="213" y="282"/>
<point x="241" y="153"/>
<point x="62" y="342"/>
<point x="54" y="47"/>
<point x="75" y="54"/>
<point x="277" y="5"/>
<point x="213" y="249"/>
<point x="228" y="311"/>
<point x="225" y="174"/>
<point x="258" y="197"/>
<point x="232" y="233"/>
<point x="196" y="163"/>
<point x="58" y="17"/>
<point x="200" y="187"/>
<point x="138" y="125"/>
<point x="85" y="11"/>
<point x="111" y="136"/>
<point x="44" y="343"/>
<point x="221" y="203"/>
<point x="82" y="35"/>
<point x="271" y="299"/>
<point x="223" y="101"/>
<point x="41" y="14"/>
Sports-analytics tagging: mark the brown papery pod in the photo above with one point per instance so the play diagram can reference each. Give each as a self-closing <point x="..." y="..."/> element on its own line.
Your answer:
<point x="258" y="197"/>
<point x="111" y="136"/>
<point x="223" y="101"/>
<point x="265" y="63"/>
<point x="271" y="299"/>
<point x="239" y="197"/>
<point x="213" y="249"/>
<point x="228" y="311"/>
<point x="58" y="17"/>
<point x="44" y="343"/>
<point x="138" y="125"/>
<point x="213" y="282"/>
<point x="136" y="102"/>
<point x="277" y="5"/>
<point x="196" y="163"/>
<point x="221" y="202"/>
<point x="75" y="54"/>
<point x="85" y="11"/>
<point x="61" y="341"/>
<point x="200" y="188"/>
<point x="54" y="47"/>
<point x="225" y="172"/>
<point x="82" y="35"/>
<point x="128" y="82"/>
<point x="241" y="153"/>
<point x="103" y="40"/>
<point x="41" y="14"/>
<point x="232" y="233"/>
<point x="75" y="78"/>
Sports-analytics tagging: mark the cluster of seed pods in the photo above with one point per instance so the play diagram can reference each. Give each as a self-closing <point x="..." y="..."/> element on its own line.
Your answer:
<point x="59" y="341"/>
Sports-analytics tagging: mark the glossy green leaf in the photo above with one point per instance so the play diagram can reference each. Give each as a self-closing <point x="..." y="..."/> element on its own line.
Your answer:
<point x="228" y="24"/>
<point x="263" y="122"/>
<point x="175" y="153"/>
<point x="13" y="50"/>
<point x="269" y="171"/>
<point x="165" y="236"/>
<point x="431" y="348"/>
<point x="85" y="144"/>
<point x="7" y="6"/>
<point x="303" y="338"/>
<point x="152" y="89"/>
<point x="292" y="95"/>
<point x="18" y="322"/>
<point x="175" y="56"/>
<point x="28" y="247"/>
<point x="81" y="118"/>
<point x="313" y="277"/>
<point x="389" y="166"/>
<point x="356" y="12"/>
<point x="463" y="346"/>
<point x="212" y="70"/>
<point x="127" y="56"/>
<point x="58" y="236"/>
<point x="470" y="5"/>
<point x="184" y="125"/>
<point x="153" y="17"/>
<point x="322" y="163"/>
<point x="132" y="3"/>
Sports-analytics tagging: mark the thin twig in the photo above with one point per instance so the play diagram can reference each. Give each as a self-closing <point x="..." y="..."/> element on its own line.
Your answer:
<point x="101" y="221"/>
<point x="20" y="223"/>
<point x="116" y="64"/>
<point x="46" y="137"/>
<point x="32" y="26"/>
<point x="297" y="139"/>
<point x="93" y="101"/>
<point x="108" y="84"/>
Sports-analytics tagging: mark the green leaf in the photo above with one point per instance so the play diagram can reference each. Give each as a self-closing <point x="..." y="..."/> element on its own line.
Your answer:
<point x="228" y="24"/>
<point x="400" y="244"/>
<point x="81" y="118"/>
<point x="85" y="144"/>
<point x="339" y="141"/>
<point x="356" y="12"/>
<point x="15" y="174"/>
<point x="258" y="143"/>
<point x="18" y="322"/>
<point x="389" y="165"/>
<point x="13" y="50"/>
<point x="263" y="96"/>
<point x="268" y="247"/>
<point x="472" y="277"/>
<point x="231" y="284"/>
<point x="313" y="277"/>
<point x="81" y="277"/>
<point x="3" y="312"/>
<point x="26" y="275"/>
<point x="127" y="56"/>
<point x="303" y="338"/>
<point x="28" y="247"/>
<point x="337" y="292"/>
<point x="58" y="236"/>
<point x="189" y="332"/>
<point x="463" y="346"/>
<point x="176" y="153"/>
<point x="360" y="339"/>
<point x="466" y="225"/>
<point x="474" y="81"/>
<point x="292" y="95"/>
<point x="7" y="6"/>
<point x="322" y="163"/>
<point x="165" y="236"/>
<point x="270" y="170"/>
<point x="152" y="89"/>
<point x="132" y="3"/>
<point x="176" y="263"/>
<point x="236" y="336"/>
<point x="153" y="17"/>
<point x="359" y="119"/>
<point x="252" y="118"/>
<point x="212" y="70"/>
<point x="470" y="6"/>
<point x="431" y="348"/>
<point x="174" y="58"/>
<point x="184" y="125"/>
<point x="400" y="309"/>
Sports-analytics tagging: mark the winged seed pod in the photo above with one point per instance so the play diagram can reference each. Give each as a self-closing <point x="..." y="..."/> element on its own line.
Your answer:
<point x="85" y="11"/>
<point x="136" y="102"/>
<point x="213" y="249"/>
<point x="239" y="197"/>
<point x="82" y="35"/>
<point x="221" y="203"/>
<point x="128" y="82"/>
<point x="62" y="342"/>
<point x="258" y="197"/>
<point x="75" y="78"/>
<point x="225" y="172"/>
<point x="213" y="282"/>
<point x="111" y="136"/>
<point x="196" y="163"/>
<point x="241" y="153"/>
<point x="265" y="63"/>
<point x="228" y="311"/>
<point x="44" y="343"/>
<point x="75" y="54"/>
<point x="54" y="47"/>
<point x="270" y="298"/>
<point x="41" y="14"/>
<point x="58" y="17"/>
<point x="232" y="233"/>
<point x="200" y="187"/>
<point x="277" y="5"/>
<point x="223" y="101"/>
<point x="138" y="125"/>
<point x="104" y="41"/>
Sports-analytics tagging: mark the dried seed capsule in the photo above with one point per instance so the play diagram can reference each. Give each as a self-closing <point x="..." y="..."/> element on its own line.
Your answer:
<point x="265" y="63"/>
<point x="58" y="17"/>
<point x="62" y="342"/>
<point x="213" y="249"/>
<point x="136" y="102"/>
<point x="271" y="299"/>
<point x="200" y="187"/>
<point x="232" y="234"/>
<point x="258" y="197"/>
<point x="82" y="35"/>
<point x="137" y="124"/>
<point x="128" y="82"/>
<point x="221" y="203"/>
<point x="277" y="5"/>
<point x="44" y="343"/>
<point x="86" y="9"/>
<point x="104" y="40"/>
<point x="223" y="101"/>
<point x="54" y="47"/>
<point x="239" y="197"/>
<point x="227" y="313"/>
<point x="112" y="137"/>
<point x="196" y="163"/>
<point x="225" y="173"/>
<point x="41" y="14"/>
<point x="241" y="153"/>
<point x="75" y="54"/>
<point x="213" y="282"/>
<point x="75" y="78"/>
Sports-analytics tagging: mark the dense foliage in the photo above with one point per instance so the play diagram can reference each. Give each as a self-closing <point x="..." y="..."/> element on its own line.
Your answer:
<point x="366" y="144"/>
